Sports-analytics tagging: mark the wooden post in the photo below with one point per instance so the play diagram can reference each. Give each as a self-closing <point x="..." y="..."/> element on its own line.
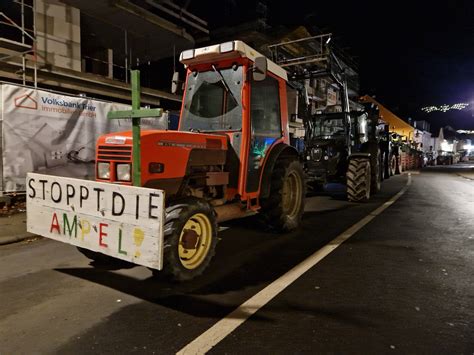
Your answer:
<point x="136" y="164"/>
<point x="135" y="114"/>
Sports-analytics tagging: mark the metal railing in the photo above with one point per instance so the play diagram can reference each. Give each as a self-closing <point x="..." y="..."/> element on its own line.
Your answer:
<point x="303" y="51"/>
<point x="309" y="50"/>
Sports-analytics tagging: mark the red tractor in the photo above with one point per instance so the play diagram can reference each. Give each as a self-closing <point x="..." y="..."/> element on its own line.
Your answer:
<point x="231" y="156"/>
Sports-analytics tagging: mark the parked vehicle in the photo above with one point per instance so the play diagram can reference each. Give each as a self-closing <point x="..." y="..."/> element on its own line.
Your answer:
<point x="345" y="141"/>
<point x="230" y="157"/>
<point x="346" y="148"/>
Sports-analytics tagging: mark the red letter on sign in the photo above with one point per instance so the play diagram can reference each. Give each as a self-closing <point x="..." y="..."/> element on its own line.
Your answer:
<point x="54" y="224"/>
<point x="102" y="234"/>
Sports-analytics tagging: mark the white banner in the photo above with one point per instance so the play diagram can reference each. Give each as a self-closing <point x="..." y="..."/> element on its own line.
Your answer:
<point x="46" y="132"/>
<point x="125" y="222"/>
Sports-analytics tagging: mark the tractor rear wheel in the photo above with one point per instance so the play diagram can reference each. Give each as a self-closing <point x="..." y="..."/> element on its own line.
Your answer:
<point x="190" y="238"/>
<point x="358" y="180"/>
<point x="284" y="208"/>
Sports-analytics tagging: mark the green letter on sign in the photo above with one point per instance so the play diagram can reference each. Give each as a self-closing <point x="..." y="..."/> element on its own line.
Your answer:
<point x="69" y="228"/>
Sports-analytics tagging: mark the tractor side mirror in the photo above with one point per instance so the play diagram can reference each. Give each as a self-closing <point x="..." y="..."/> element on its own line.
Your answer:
<point x="260" y="69"/>
<point x="175" y="82"/>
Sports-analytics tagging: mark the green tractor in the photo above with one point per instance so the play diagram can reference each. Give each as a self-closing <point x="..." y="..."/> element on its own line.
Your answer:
<point x="347" y="148"/>
<point x="344" y="142"/>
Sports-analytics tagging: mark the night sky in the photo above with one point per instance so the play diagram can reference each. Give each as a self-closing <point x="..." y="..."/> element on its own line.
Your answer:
<point x="411" y="54"/>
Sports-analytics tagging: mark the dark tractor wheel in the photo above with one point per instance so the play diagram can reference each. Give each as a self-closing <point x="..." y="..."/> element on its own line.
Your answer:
<point x="284" y="208"/>
<point x="398" y="165"/>
<point x="358" y="180"/>
<point x="392" y="165"/>
<point x="386" y="166"/>
<point x="190" y="238"/>
<point x="376" y="168"/>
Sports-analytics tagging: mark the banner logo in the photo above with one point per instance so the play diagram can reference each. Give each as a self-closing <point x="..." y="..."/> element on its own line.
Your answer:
<point x="26" y="101"/>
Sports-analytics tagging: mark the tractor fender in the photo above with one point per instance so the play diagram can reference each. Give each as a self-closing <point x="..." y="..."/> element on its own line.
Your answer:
<point x="279" y="150"/>
<point x="360" y="155"/>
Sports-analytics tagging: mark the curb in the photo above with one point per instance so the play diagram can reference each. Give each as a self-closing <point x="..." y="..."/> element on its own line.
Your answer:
<point x="466" y="177"/>
<point x="16" y="238"/>
<point x="413" y="172"/>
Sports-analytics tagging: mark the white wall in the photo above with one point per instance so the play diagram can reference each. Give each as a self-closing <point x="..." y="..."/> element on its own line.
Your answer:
<point x="58" y="34"/>
<point x="424" y="137"/>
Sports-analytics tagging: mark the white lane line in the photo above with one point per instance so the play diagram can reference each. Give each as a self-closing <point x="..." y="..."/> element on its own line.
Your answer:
<point x="227" y="325"/>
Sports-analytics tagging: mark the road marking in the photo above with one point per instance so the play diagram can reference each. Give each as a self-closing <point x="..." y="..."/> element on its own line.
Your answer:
<point x="211" y="337"/>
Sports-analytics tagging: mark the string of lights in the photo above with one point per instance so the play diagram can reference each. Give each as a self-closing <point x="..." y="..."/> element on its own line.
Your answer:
<point x="445" y="108"/>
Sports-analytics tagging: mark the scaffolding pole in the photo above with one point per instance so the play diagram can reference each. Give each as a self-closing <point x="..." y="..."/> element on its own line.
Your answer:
<point x="24" y="34"/>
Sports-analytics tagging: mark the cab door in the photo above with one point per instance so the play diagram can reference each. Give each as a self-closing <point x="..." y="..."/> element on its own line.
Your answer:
<point x="265" y="125"/>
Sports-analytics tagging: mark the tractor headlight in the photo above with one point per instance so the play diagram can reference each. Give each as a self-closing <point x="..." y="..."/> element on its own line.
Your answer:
<point x="103" y="170"/>
<point x="124" y="172"/>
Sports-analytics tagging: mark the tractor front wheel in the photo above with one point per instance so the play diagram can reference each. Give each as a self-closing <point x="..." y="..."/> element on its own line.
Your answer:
<point x="358" y="180"/>
<point x="190" y="238"/>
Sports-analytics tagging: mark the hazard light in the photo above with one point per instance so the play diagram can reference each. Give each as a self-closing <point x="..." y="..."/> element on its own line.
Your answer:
<point x="226" y="47"/>
<point x="188" y="54"/>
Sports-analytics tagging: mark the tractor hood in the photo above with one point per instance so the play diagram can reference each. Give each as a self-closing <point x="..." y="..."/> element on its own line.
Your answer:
<point x="323" y="142"/>
<point x="189" y="140"/>
<point x="324" y="158"/>
<point x="325" y="147"/>
<point x="166" y="157"/>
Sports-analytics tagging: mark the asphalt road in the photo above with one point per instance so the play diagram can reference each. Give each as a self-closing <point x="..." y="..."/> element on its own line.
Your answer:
<point x="404" y="283"/>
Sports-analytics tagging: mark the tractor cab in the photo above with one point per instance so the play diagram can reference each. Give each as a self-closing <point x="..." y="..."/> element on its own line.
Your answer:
<point x="232" y="90"/>
<point x="233" y="129"/>
<point x="329" y="126"/>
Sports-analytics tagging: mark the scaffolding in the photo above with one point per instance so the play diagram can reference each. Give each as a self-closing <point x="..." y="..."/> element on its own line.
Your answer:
<point x="316" y="58"/>
<point x="120" y="35"/>
<point x="313" y="57"/>
<point x="11" y="49"/>
<point x="302" y="53"/>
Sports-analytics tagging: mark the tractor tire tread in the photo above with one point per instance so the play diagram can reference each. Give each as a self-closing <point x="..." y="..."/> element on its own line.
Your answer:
<point x="357" y="184"/>
<point x="177" y="215"/>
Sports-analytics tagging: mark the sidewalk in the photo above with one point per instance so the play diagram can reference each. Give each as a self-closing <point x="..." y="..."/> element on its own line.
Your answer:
<point x="13" y="228"/>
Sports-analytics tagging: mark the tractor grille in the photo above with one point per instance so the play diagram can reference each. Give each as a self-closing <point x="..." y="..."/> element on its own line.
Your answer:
<point x="114" y="153"/>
